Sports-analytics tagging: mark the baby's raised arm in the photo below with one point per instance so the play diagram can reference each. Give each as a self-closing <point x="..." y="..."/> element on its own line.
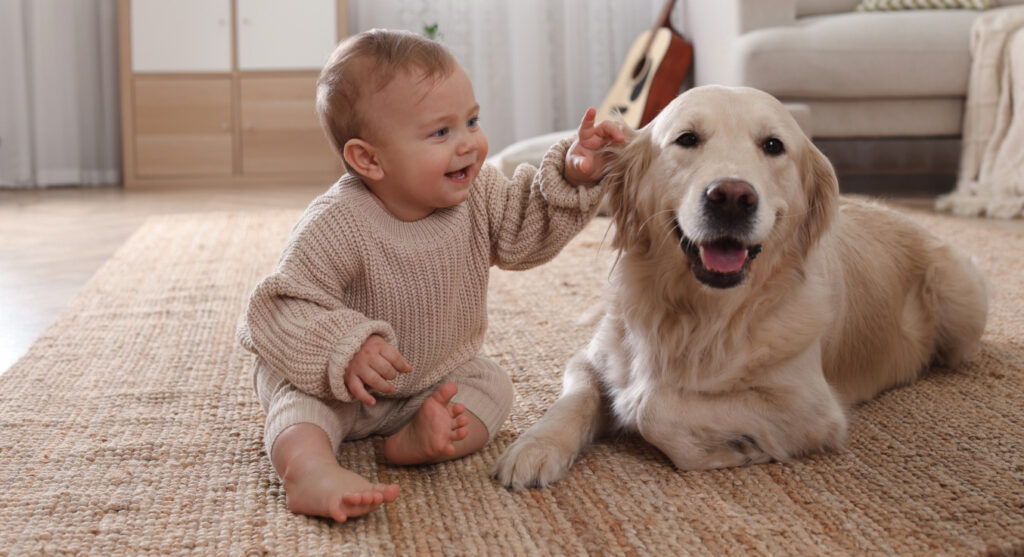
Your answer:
<point x="533" y="214"/>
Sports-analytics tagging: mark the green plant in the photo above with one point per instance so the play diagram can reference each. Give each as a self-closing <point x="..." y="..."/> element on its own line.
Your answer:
<point x="431" y="31"/>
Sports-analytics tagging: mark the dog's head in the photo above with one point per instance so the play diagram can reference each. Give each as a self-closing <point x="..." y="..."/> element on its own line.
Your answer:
<point x="722" y="174"/>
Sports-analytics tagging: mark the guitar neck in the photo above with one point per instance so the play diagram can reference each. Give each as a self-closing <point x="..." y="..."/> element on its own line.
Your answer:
<point x="664" y="20"/>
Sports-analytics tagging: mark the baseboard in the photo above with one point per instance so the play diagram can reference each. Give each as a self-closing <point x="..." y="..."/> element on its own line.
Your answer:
<point x="898" y="185"/>
<point x="903" y="167"/>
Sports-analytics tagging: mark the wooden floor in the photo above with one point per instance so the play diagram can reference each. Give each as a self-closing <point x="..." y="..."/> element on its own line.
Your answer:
<point x="52" y="241"/>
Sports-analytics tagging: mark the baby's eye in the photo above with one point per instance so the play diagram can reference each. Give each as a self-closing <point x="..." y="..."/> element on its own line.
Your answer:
<point x="440" y="133"/>
<point x="473" y="122"/>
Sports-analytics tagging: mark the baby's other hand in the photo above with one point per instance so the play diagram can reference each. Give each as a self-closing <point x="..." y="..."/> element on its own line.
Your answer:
<point x="585" y="161"/>
<point x="374" y="365"/>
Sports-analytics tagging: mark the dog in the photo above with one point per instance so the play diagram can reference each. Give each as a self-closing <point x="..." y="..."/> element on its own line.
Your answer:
<point x="750" y="306"/>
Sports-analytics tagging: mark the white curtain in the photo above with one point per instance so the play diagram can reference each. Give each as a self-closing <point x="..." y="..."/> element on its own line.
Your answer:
<point x="536" y="65"/>
<point x="59" y="111"/>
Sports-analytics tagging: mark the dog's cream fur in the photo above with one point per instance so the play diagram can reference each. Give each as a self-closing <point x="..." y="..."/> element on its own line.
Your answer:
<point x="845" y="300"/>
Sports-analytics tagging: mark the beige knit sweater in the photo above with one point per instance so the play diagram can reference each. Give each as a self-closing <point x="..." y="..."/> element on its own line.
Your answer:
<point x="351" y="270"/>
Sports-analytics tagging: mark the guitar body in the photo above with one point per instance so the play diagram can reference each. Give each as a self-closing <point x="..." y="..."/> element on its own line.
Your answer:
<point x="650" y="77"/>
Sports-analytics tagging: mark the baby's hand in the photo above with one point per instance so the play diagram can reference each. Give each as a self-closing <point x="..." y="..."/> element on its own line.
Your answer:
<point x="584" y="161"/>
<point x="373" y="365"/>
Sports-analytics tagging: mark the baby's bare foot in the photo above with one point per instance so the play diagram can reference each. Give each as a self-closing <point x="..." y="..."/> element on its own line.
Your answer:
<point x="431" y="434"/>
<point x="332" y="491"/>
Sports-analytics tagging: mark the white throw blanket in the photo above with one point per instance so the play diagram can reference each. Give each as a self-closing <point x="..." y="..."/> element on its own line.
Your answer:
<point x="991" y="180"/>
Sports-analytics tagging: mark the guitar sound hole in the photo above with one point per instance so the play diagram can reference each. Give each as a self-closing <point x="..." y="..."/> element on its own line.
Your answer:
<point x="639" y="67"/>
<point x="638" y="87"/>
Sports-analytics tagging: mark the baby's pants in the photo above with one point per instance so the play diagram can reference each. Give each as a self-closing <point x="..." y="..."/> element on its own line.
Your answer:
<point x="484" y="388"/>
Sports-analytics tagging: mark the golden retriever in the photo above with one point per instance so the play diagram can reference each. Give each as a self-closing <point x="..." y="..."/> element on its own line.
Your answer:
<point x="750" y="305"/>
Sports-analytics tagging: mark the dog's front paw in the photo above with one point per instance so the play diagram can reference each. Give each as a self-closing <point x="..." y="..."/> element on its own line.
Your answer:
<point x="532" y="461"/>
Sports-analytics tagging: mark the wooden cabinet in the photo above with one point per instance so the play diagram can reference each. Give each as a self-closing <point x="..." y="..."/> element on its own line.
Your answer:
<point x="280" y="130"/>
<point x="223" y="91"/>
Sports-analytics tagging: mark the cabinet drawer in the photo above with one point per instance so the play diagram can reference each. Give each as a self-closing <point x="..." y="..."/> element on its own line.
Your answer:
<point x="280" y="130"/>
<point x="183" y="126"/>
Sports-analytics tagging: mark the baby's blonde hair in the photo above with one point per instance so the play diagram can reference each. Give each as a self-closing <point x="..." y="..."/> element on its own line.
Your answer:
<point x="364" y="64"/>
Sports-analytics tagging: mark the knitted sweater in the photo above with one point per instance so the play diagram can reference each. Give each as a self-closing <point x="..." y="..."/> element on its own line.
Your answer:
<point x="351" y="270"/>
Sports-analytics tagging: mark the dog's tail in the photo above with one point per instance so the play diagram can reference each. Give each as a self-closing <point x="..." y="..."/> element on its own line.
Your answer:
<point x="956" y="291"/>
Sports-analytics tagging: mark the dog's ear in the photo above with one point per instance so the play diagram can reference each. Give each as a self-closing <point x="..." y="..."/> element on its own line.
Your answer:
<point x="629" y="163"/>
<point x="822" y="189"/>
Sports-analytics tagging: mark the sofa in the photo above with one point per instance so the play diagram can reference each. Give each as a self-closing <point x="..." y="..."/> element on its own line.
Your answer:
<point x="882" y="93"/>
<point x="885" y="74"/>
<point x="885" y="89"/>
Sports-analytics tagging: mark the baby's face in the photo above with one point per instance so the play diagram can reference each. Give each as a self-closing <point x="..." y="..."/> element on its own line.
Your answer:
<point x="429" y="142"/>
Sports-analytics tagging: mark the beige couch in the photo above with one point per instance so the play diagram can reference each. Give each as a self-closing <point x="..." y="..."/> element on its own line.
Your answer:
<point x="862" y="74"/>
<point x="882" y="93"/>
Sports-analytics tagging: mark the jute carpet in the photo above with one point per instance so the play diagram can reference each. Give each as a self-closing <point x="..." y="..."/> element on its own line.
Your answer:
<point x="130" y="427"/>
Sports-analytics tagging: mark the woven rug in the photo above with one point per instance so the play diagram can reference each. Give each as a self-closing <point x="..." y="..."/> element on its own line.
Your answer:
<point x="130" y="427"/>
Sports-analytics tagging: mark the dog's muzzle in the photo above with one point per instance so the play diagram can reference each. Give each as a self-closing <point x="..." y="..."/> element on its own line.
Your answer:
<point x="719" y="263"/>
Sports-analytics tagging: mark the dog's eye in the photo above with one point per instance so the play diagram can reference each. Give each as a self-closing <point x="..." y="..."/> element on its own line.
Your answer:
<point x="773" y="146"/>
<point x="688" y="139"/>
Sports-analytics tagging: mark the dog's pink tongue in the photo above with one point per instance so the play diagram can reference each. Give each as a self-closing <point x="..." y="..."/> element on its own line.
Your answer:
<point x="724" y="259"/>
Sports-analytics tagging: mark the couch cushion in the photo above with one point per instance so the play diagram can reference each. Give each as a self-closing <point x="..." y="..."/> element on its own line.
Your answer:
<point x="858" y="55"/>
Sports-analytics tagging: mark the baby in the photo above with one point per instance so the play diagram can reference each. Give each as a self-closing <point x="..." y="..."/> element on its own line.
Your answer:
<point x="374" y="317"/>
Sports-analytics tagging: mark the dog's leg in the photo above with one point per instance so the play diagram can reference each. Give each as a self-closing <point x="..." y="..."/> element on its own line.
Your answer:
<point x="543" y="453"/>
<point x="797" y="413"/>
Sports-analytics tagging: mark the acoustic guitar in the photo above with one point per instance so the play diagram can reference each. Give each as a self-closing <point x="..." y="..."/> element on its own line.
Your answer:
<point x="651" y="76"/>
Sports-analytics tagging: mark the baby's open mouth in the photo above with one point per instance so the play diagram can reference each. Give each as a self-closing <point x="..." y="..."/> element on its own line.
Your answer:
<point x="459" y="174"/>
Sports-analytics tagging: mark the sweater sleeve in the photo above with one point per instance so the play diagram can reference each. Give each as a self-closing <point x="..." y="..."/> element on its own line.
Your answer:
<point x="296" y="320"/>
<point x="533" y="215"/>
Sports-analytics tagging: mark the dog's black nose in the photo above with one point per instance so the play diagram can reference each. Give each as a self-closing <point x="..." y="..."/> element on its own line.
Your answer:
<point x="730" y="200"/>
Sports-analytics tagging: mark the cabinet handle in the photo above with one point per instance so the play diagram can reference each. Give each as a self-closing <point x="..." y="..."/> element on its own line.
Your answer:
<point x="245" y="21"/>
<point x="224" y="127"/>
<point x="248" y="127"/>
<point x="222" y="22"/>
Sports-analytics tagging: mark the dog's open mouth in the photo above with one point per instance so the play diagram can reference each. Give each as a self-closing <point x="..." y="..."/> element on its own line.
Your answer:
<point x="719" y="263"/>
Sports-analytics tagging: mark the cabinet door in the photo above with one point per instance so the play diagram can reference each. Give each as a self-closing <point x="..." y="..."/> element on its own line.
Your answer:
<point x="181" y="35"/>
<point x="281" y="35"/>
<point x="183" y="126"/>
<point x="280" y="130"/>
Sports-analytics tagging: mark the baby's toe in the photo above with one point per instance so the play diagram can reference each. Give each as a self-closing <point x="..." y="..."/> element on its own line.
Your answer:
<point x="354" y="499"/>
<point x="388" y="492"/>
<point x="337" y="511"/>
<point x="445" y="392"/>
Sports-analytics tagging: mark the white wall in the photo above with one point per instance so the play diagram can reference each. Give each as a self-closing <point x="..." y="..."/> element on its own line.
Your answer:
<point x="536" y="65"/>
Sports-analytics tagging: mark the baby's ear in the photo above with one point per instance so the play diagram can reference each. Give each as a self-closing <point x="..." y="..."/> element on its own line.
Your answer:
<point x="362" y="157"/>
